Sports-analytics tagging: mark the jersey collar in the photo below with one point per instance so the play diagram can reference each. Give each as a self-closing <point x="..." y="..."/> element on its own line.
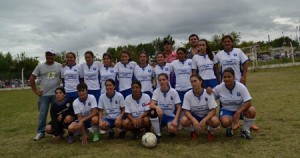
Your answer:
<point x="110" y="98"/>
<point x="138" y="100"/>
<point x="230" y="90"/>
<point x="199" y="97"/>
<point x="162" y="66"/>
<point x="165" y="93"/>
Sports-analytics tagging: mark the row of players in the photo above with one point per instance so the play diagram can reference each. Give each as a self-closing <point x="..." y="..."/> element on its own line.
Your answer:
<point x="138" y="111"/>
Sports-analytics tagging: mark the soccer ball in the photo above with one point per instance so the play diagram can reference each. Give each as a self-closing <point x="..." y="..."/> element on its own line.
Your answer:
<point x="149" y="140"/>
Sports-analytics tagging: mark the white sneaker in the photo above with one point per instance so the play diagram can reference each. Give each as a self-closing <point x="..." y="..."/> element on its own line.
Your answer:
<point x="39" y="136"/>
<point x="102" y="132"/>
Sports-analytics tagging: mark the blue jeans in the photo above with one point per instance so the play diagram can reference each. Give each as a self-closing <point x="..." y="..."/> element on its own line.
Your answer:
<point x="43" y="107"/>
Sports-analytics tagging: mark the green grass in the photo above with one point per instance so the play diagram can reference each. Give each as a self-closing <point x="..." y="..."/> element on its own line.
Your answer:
<point x="275" y="95"/>
<point x="276" y="61"/>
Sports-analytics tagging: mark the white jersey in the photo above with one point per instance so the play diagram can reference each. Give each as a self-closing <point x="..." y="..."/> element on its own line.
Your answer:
<point x="125" y="73"/>
<point x="71" y="77"/>
<point x="199" y="105"/>
<point x="232" y="99"/>
<point x="91" y="75"/>
<point x="106" y="73"/>
<point x="166" y="101"/>
<point x="111" y="105"/>
<point x="145" y="75"/>
<point x="205" y="66"/>
<point x="183" y="72"/>
<point x="84" y="108"/>
<point x="137" y="107"/>
<point x="234" y="59"/>
<point x="167" y="68"/>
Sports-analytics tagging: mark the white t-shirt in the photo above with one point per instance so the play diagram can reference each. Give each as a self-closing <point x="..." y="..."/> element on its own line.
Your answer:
<point x="232" y="99"/>
<point x="183" y="72"/>
<point x="106" y="73"/>
<point x="137" y="107"/>
<point x="144" y="75"/>
<point x="113" y="105"/>
<point x="205" y="66"/>
<point x="167" y="68"/>
<point x="199" y="105"/>
<point x="234" y="59"/>
<point x="91" y="75"/>
<point x="84" y="108"/>
<point x="125" y="73"/>
<point x="166" y="101"/>
<point x="71" y="77"/>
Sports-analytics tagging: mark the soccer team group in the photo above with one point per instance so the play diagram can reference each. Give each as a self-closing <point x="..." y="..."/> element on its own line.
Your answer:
<point x="178" y="91"/>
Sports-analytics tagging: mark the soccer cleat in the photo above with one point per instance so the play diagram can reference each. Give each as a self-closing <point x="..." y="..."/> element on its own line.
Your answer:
<point x="246" y="134"/>
<point x="229" y="132"/>
<point x="254" y="127"/>
<point x="122" y="134"/>
<point x="210" y="136"/>
<point x="194" y="136"/>
<point x="39" y="136"/>
<point x="136" y="133"/>
<point x="96" y="137"/>
<point x="235" y="126"/>
<point x="71" y="139"/>
<point x="158" y="138"/>
<point x="111" y="135"/>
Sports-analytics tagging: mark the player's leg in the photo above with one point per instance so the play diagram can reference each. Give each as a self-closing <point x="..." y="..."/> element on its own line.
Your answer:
<point x="212" y="124"/>
<point x="172" y="129"/>
<point x="43" y="106"/>
<point x="95" y="127"/>
<point x="146" y="124"/>
<point x="187" y="123"/>
<point x="48" y="129"/>
<point x="226" y="121"/>
<point x="155" y="123"/>
<point x="249" y="119"/>
<point x="127" y="125"/>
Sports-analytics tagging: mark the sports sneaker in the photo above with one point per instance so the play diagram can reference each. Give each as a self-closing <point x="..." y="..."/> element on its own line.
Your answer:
<point x="71" y="139"/>
<point x="210" y="136"/>
<point x="96" y="137"/>
<point x="235" y="126"/>
<point x="122" y="134"/>
<point x="102" y="132"/>
<point x="246" y="134"/>
<point x="111" y="135"/>
<point x="39" y="136"/>
<point x="254" y="127"/>
<point x="229" y="132"/>
<point x="158" y="138"/>
<point x="194" y="136"/>
<point x="136" y="133"/>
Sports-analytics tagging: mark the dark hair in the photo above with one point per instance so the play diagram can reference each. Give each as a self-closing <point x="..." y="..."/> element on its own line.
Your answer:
<point x="197" y="76"/>
<point x="61" y="89"/>
<point x="126" y="52"/>
<point x="72" y="53"/>
<point x="107" y="55"/>
<point x="136" y="82"/>
<point x="227" y="36"/>
<point x="208" y="50"/>
<point x="82" y="86"/>
<point x="163" y="74"/>
<point x="90" y="53"/>
<point x="160" y="53"/>
<point x="111" y="81"/>
<point x="230" y="70"/>
<point x="193" y="35"/>
<point x="144" y="52"/>
<point x="182" y="49"/>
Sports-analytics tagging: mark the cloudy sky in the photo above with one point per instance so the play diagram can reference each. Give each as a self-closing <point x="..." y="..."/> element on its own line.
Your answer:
<point x="79" y="25"/>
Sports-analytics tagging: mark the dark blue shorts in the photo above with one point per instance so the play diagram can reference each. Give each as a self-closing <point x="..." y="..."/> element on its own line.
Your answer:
<point x="72" y="96"/>
<point x="197" y="117"/>
<point x="166" y="119"/>
<point x="224" y="112"/>
<point x="95" y="93"/>
<point x="126" y="92"/>
<point x="87" y="124"/>
<point x="209" y="83"/>
<point x="149" y="93"/>
<point x="111" y="122"/>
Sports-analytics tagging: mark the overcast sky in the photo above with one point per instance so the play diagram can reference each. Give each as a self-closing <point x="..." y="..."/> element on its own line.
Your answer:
<point x="80" y="25"/>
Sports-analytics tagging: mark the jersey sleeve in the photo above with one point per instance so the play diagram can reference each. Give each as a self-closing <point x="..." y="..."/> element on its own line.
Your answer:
<point x="147" y="107"/>
<point x="36" y="71"/>
<point x="176" y="98"/>
<point x="127" y="107"/>
<point x="121" y="100"/>
<point x="155" y="95"/>
<point x="217" y="90"/>
<point x="76" y="107"/>
<point x="215" y="60"/>
<point x="93" y="102"/>
<point x="212" y="104"/>
<point x="186" y="102"/>
<point x="194" y="63"/>
<point x="242" y="56"/>
<point x="245" y="93"/>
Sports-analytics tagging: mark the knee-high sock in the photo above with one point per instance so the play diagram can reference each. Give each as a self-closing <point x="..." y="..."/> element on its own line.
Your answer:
<point x="155" y="125"/>
<point x="247" y="123"/>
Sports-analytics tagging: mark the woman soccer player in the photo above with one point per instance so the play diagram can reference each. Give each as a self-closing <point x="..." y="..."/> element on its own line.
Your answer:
<point x="107" y="71"/>
<point x="91" y="72"/>
<point x="206" y="64"/>
<point x="71" y="76"/>
<point x="137" y="106"/>
<point x="199" y="109"/>
<point x="236" y="104"/>
<point x="62" y="115"/>
<point x="162" y="67"/>
<point x="113" y="104"/>
<point x="164" y="101"/>
<point x="124" y="70"/>
<point x="144" y="73"/>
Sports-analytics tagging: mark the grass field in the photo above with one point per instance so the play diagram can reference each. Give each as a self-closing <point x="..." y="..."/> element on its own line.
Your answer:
<point x="275" y="95"/>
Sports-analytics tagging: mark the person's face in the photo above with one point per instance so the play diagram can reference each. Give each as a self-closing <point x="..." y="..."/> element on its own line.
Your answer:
<point x="82" y="93"/>
<point x="136" y="89"/>
<point x="202" y="47"/>
<point x="124" y="58"/>
<point x="167" y="47"/>
<point x="109" y="87"/>
<point x="70" y="59"/>
<point x="49" y="57"/>
<point x="180" y="55"/>
<point x="143" y="58"/>
<point x="163" y="81"/>
<point x="106" y="61"/>
<point x="227" y="44"/>
<point x="160" y="59"/>
<point x="193" y="41"/>
<point x="59" y="95"/>
<point x="228" y="78"/>
<point x="196" y="83"/>
<point x="88" y="58"/>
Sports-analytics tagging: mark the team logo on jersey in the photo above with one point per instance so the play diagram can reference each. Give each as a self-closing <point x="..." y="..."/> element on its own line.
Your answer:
<point x="116" y="101"/>
<point x="68" y="105"/>
<point x="94" y="69"/>
<point x="111" y="71"/>
<point x="130" y="67"/>
<point x="166" y="69"/>
<point x="235" y="54"/>
<point x="89" y="103"/>
<point x="189" y="63"/>
<point x="171" y="98"/>
<point x="238" y="94"/>
<point x="149" y="70"/>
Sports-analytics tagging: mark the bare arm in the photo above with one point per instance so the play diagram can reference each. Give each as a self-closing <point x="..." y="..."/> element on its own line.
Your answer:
<point x="33" y="86"/>
<point x="245" y="70"/>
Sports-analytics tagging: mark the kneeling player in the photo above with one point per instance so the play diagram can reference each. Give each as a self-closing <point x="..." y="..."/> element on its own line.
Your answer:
<point x="199" y="109"/>
<point x="85" y="107"/>
<point x="164" y="101"/>
<point x="137" y="106"/>
<point x="113" y="104"/>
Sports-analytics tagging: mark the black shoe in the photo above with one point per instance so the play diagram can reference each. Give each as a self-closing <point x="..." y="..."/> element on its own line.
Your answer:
<point x="229" y="132"/>
<point x="136" y="133"/>
<point x="158" y="138"/>
<point x="172" y="135"/>
<point x="122" y="134"/>
<point x="246" y="134"/>
<point x="111" y="135"/>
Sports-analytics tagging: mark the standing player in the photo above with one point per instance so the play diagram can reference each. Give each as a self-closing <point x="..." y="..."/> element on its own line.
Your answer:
<point x="145" y="74"/>
<point x="49" y="72"/>
<point x="85" y="108"/>
<point x="137" y="106"/>
<point x="91" y="73"/>
<point x="206" y="64"/>
<point x="113" y="104"/>
<point x="162" y="67"/>
<point x="124" y="70"/>
<point x="164" y="101"/>
<point x="236" y="104"/>
<point x="107" y="71"/>
<point x="194" y="43"/>
<point x="200" y="109"/>
<point x="71" y="76"/>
